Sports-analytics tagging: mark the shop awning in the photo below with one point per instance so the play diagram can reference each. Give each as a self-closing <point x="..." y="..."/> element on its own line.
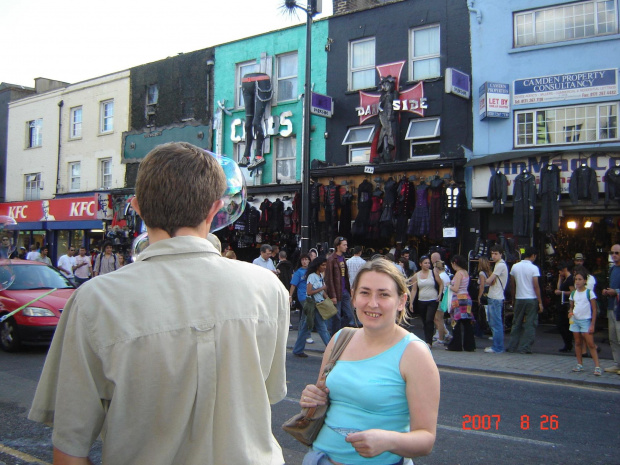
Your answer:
<point x="496" y="157"/>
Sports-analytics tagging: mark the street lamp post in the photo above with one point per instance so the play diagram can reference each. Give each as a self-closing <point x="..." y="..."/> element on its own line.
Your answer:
<point x="311" y="10"/>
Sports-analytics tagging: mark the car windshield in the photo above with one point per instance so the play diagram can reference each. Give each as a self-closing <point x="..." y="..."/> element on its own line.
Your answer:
<point x="36" y="277"/>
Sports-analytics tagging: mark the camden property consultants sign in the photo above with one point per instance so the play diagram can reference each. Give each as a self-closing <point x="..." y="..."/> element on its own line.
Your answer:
<point x="584" y="84"/>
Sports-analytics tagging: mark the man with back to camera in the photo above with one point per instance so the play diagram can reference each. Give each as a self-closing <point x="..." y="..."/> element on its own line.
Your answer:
<point x="527" y="303"/>
<point x="157" y="357"/>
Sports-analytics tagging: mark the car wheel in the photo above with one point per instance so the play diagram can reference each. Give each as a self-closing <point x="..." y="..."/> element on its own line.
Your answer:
<point x="9" y="336"/>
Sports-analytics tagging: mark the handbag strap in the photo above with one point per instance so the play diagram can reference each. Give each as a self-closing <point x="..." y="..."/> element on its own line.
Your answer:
<point x="343" y="339"/>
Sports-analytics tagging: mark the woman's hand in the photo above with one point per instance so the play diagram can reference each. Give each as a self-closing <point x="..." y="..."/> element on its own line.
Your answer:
<point x="312" y="396"/>
<point x="369" y="443"/>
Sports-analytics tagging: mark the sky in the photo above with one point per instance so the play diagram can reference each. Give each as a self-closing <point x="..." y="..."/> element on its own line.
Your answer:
<point x="76" y="40"/>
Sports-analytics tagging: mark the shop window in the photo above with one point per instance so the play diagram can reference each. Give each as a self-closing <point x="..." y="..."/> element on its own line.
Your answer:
<point x="76" y="123"/>
<point x="75" y="176"/>
<point x="424" y="136"/>
<point x="242" y="70"/>
<point x="32" y="186"/>
<point x="35" y="133"/>
<point x="106" y="117"/>
<point x="566" y="125"/>
<point x="285" y="159"/>
<point x="566" y="22"/>
<point x="362" y="64"/>
<point x="105" y="173"/>
<point x="424" y="48"/>
<point x="286" y="72"/>
<point x="152" y="97"/>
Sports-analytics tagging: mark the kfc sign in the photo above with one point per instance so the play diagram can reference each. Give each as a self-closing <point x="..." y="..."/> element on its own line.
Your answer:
<point x="69" y="209"/>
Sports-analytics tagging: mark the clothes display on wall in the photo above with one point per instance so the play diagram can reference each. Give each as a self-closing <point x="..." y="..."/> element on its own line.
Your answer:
<point x="386" y="221"/>
<point x="346" y="201"/>
<point x="550" y="191"/>
<point x="265" y="211"/>
<point x="276" y="217"/>
<point x="419" y="224"/>
<point x="612" y="185"/>
<point x="375" y="213"/>
<point x="583" y="185"/>
<point x="436" y="190"/>
<point x="332" y="202"/>
<point x="524" y="198"/>
<point x="498" y="191"/>
<point x="364" y="203"/>
<point x="403" y="207"/>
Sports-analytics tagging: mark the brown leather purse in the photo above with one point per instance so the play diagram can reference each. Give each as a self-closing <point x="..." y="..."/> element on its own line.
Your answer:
<point x="305" y="426"/>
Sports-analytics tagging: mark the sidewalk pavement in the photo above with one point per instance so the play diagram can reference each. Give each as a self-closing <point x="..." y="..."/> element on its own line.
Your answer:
<point x="545" y="364"/>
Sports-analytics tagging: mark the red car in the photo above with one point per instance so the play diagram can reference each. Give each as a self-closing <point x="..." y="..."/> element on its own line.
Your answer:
<point x="35" y="324"/>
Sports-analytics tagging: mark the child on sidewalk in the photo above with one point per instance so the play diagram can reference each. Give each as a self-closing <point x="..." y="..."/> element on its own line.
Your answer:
<point x="582" y="317"/>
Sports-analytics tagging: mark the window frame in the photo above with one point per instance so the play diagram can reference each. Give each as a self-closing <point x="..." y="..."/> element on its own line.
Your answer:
<point x="276" y="159"/>
<point x="73" y="177"/>
<point x="32" y="187"/>
<point x="351" y="70"/>
<point x="238" y="77"/>
<point x="34" y="133"/>
<point x="359" y="148"/>
<point x="433" y="139"/>
<point x="559" y="11"/>
<point x="104" y="118"/>
<point x="149" y="100"/>
<point x="75" y="127"/>
<point x="368" y="139"/>
<point x="279" y="78"/>
<point x="105" y="176"/>
<point x="531" y="135"/>
<point x="433" y="56"/>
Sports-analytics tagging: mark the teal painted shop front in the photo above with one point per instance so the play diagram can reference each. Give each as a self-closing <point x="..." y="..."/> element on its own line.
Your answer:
<point x="281" y="55"/>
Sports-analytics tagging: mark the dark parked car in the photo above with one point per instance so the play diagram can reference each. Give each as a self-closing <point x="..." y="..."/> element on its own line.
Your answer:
<point x="35" y="324"/>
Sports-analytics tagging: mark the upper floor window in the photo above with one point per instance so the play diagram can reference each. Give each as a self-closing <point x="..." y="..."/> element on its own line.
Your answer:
<point x="76" y="122"/>
<point x="107" y="116"/>
<point x="424" y="48"/>
<point x="286" y="159"/>
<point x="424" y="136"/>
<point x="35" y="132"/>
<point x="359" y="140"/>
<point x="286" y="72"/>
<point x="567" y="125"/>
<point x="566" y="22"/>
<point x="32" y="186"/>
<point x="152" y="94"/>
<point x="362" y="64"/>
<point x="242" y="70"/>
<point x="105" y="173"/>
<point x="74" y="176"/>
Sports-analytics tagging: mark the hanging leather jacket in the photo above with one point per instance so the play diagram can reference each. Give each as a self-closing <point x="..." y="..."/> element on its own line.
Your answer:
<point x="583" y="185"/>
<point x="498" y="191"/>
<point x="550" y="190"/>
<point x="612" y="185"/>
<point x="524" y="199"/>
<point x="364" y="194"/>
<point x="265" y="215"/>
<point x="276" y="220"/>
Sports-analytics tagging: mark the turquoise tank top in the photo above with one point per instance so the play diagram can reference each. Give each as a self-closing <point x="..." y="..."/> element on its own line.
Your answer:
<point x="365" y="394"/>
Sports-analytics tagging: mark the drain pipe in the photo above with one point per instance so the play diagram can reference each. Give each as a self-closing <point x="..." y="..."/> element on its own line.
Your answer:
<point x="470" y="7"/>
<point x="60" y="105"/>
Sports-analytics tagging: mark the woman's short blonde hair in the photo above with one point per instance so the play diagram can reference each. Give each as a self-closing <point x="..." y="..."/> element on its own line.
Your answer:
<point x="381" y="265"/>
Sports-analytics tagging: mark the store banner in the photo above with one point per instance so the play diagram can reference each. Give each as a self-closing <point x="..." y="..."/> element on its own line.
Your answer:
<point x="567" y="162"/>
<point x="67" y="209"/>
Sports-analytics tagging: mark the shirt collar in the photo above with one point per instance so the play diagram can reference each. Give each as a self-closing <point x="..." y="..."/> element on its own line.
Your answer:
<point x="180" y="245"/>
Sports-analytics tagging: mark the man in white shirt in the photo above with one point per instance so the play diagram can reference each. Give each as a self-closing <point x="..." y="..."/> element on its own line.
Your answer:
<point x="66" y="264"/>
<point x="83" y="267"/>
<point x="264" y="260"/>
<point x="355" y="263"/>
<point x="34" y="253"/>
<point x="43" y="258"/>
<point x="527" y="303"/>
<point x="497" y="284"/>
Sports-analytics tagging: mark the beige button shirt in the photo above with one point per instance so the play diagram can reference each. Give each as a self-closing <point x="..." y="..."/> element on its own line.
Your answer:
<point x="174" y="359"/>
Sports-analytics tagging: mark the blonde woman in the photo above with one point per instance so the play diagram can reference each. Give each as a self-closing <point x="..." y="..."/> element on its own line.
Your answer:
<point x="385" y="421"/>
